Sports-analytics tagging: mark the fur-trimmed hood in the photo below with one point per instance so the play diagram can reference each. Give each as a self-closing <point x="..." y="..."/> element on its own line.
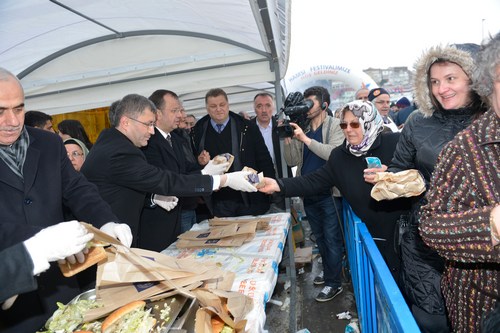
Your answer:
<point x="460" y="54"/>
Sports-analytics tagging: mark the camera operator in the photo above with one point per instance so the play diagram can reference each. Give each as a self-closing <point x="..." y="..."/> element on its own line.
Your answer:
<point x="309" y="150"/>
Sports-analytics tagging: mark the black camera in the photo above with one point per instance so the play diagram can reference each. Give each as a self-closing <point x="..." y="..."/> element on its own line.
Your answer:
<point x="295" y="109"/>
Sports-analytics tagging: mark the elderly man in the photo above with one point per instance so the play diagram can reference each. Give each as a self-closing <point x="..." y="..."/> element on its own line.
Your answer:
<point x="123" y="176"/>
<point x="362" y="94"/>
<point x="36" y="179"/>
<point x="190" y="122"/>
<point x="223" y="131"/>
<point x="382" y="101"/>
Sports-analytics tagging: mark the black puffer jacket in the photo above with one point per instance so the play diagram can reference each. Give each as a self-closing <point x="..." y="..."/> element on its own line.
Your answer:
<point x="423" y="137"/>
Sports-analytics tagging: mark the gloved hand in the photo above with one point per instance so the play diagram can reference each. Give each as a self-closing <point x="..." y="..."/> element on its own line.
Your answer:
<point x="166" y="202"/>
<point x="214" y="169"/>
<point x="121" y="231"/>
<point x="238" y="181"/>
<point x="57" y="242"/>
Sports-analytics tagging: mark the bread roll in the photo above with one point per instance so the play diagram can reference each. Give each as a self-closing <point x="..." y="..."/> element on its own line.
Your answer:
<point x="114" y="321"/>
<point x="95" y="254"/>
<point x="256" y="179"/>
<point x="223" y="158"/>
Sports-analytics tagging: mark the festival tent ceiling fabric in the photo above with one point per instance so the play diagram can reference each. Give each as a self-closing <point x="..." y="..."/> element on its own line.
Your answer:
<point x="73" y="55"/>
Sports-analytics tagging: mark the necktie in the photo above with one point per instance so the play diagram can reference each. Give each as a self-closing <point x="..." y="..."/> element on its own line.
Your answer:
<point x="219" y="128"/>
<point x="169" y="139"/>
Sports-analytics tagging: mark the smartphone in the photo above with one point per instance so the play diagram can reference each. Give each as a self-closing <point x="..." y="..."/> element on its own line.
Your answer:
<point x="373" y="162"/>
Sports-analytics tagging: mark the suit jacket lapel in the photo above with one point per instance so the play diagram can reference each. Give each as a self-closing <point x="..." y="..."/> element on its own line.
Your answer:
<point x="166" y="146"/>
<point x="30" y="168"/>
<point x="10" y="178"/>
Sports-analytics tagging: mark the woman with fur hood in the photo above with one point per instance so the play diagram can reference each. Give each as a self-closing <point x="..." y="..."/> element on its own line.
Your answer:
<point x="447" y="105"/>
<point x="462" y="219"/>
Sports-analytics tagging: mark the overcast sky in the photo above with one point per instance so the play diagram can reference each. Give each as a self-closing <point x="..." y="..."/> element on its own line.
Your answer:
<point x="384" y="33"/>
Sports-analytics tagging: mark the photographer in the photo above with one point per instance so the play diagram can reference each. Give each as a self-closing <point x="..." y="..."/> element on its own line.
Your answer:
<point x="309" y="150"/>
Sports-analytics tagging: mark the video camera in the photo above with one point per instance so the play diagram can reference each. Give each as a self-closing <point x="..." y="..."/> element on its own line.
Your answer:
<point x="295" y="109"/>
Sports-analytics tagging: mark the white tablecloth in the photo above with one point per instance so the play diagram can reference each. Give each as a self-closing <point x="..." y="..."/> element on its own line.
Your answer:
<point x="255" y="263"/>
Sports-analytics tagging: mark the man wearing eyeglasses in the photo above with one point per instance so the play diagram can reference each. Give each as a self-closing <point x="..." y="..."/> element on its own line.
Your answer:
<point x="382" y="101"/>
<point x="123" y="176"/>
<point x="36" y="179"/>
<point x="309" y="150"/>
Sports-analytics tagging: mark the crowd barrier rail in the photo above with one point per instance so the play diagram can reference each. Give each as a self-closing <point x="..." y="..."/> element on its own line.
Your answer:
<point x="380" y="304"/>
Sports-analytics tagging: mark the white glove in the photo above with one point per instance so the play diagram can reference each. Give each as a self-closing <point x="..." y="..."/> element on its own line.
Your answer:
<point x="238" y="181"/>
<point x="166" y="202"/>
<point x="213" y="169"/>
<point x="121" y="231"/>
<point x="57" y="242"/>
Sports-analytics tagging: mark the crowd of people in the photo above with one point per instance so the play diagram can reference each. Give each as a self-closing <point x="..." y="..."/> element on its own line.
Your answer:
<point x="151" y="176"/>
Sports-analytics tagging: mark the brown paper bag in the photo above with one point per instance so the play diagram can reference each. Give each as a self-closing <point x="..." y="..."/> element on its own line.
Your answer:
<point x="230" y="307"/>
<point x="223" y="158"/>
<point x="262" y="222"/>
<point x="211" y="233"/>
<point x="391" y="185"/>
<point x="221" y="242"/>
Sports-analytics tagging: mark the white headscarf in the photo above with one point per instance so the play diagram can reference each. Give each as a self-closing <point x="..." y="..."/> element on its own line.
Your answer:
<point x="371" y="122"/>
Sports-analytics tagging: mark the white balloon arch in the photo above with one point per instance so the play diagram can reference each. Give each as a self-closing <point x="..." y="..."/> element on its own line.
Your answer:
<point x="342" y="82"/>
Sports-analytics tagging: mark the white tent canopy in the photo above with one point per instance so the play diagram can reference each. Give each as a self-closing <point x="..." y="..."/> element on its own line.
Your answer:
<point x="73" y="55"/>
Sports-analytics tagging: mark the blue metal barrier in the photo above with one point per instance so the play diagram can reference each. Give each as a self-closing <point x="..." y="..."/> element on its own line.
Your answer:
<point x="381" y="306"/>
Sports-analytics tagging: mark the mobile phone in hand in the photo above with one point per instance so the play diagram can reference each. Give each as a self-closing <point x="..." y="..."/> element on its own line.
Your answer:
<point x="373" y="162"/>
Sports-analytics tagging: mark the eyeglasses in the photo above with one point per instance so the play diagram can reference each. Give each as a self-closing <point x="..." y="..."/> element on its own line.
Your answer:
<point x="150" y="124"/>
<point x="353" y="124"/>
<point x="75" y="154"/>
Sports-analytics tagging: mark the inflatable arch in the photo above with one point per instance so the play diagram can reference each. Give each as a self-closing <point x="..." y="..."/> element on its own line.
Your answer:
<point x="341" y="81"/>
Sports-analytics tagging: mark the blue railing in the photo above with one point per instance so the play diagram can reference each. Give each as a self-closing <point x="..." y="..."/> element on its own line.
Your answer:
<point x="381" y="306"/>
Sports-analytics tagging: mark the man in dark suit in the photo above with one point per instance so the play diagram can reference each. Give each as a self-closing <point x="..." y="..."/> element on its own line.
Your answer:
<point x="223" y="131"/>
<point x="123" y="175"/>
<point x="264" y="108"/>
<point x="158" y="227"/>
<point x="36" y="179"/>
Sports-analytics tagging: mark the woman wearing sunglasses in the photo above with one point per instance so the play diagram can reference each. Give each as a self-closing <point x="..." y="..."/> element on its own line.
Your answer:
<point x="364" y="137"/>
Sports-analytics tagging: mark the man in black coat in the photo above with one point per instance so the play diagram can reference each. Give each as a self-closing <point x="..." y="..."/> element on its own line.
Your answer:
<point x="36" y="179"/>
<point x="222" y="131"/>
<point x="264" y="108"/>
<point x="158" y="227"/>
<point x="123" y="176"/>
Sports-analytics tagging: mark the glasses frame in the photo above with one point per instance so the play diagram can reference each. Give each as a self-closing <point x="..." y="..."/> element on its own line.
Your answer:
<point x="151" y="124"/>
<point x="343" y="125"/>
<point x="75" y="154"/>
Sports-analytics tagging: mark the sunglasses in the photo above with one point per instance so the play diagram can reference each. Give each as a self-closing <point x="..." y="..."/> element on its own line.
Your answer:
<point x="353" y="124"/>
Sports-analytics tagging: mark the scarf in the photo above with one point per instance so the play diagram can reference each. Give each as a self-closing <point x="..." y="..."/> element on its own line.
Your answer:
<point x="370" y="121"/>
<point x="15" y="154"/>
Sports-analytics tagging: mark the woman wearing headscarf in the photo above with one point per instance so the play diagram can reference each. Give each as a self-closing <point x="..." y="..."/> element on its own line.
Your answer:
<point x="462" y="218"/>
<point x="362" y="126"/>
<point x="77" y="152"/>
<point x="447" y="104"/>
